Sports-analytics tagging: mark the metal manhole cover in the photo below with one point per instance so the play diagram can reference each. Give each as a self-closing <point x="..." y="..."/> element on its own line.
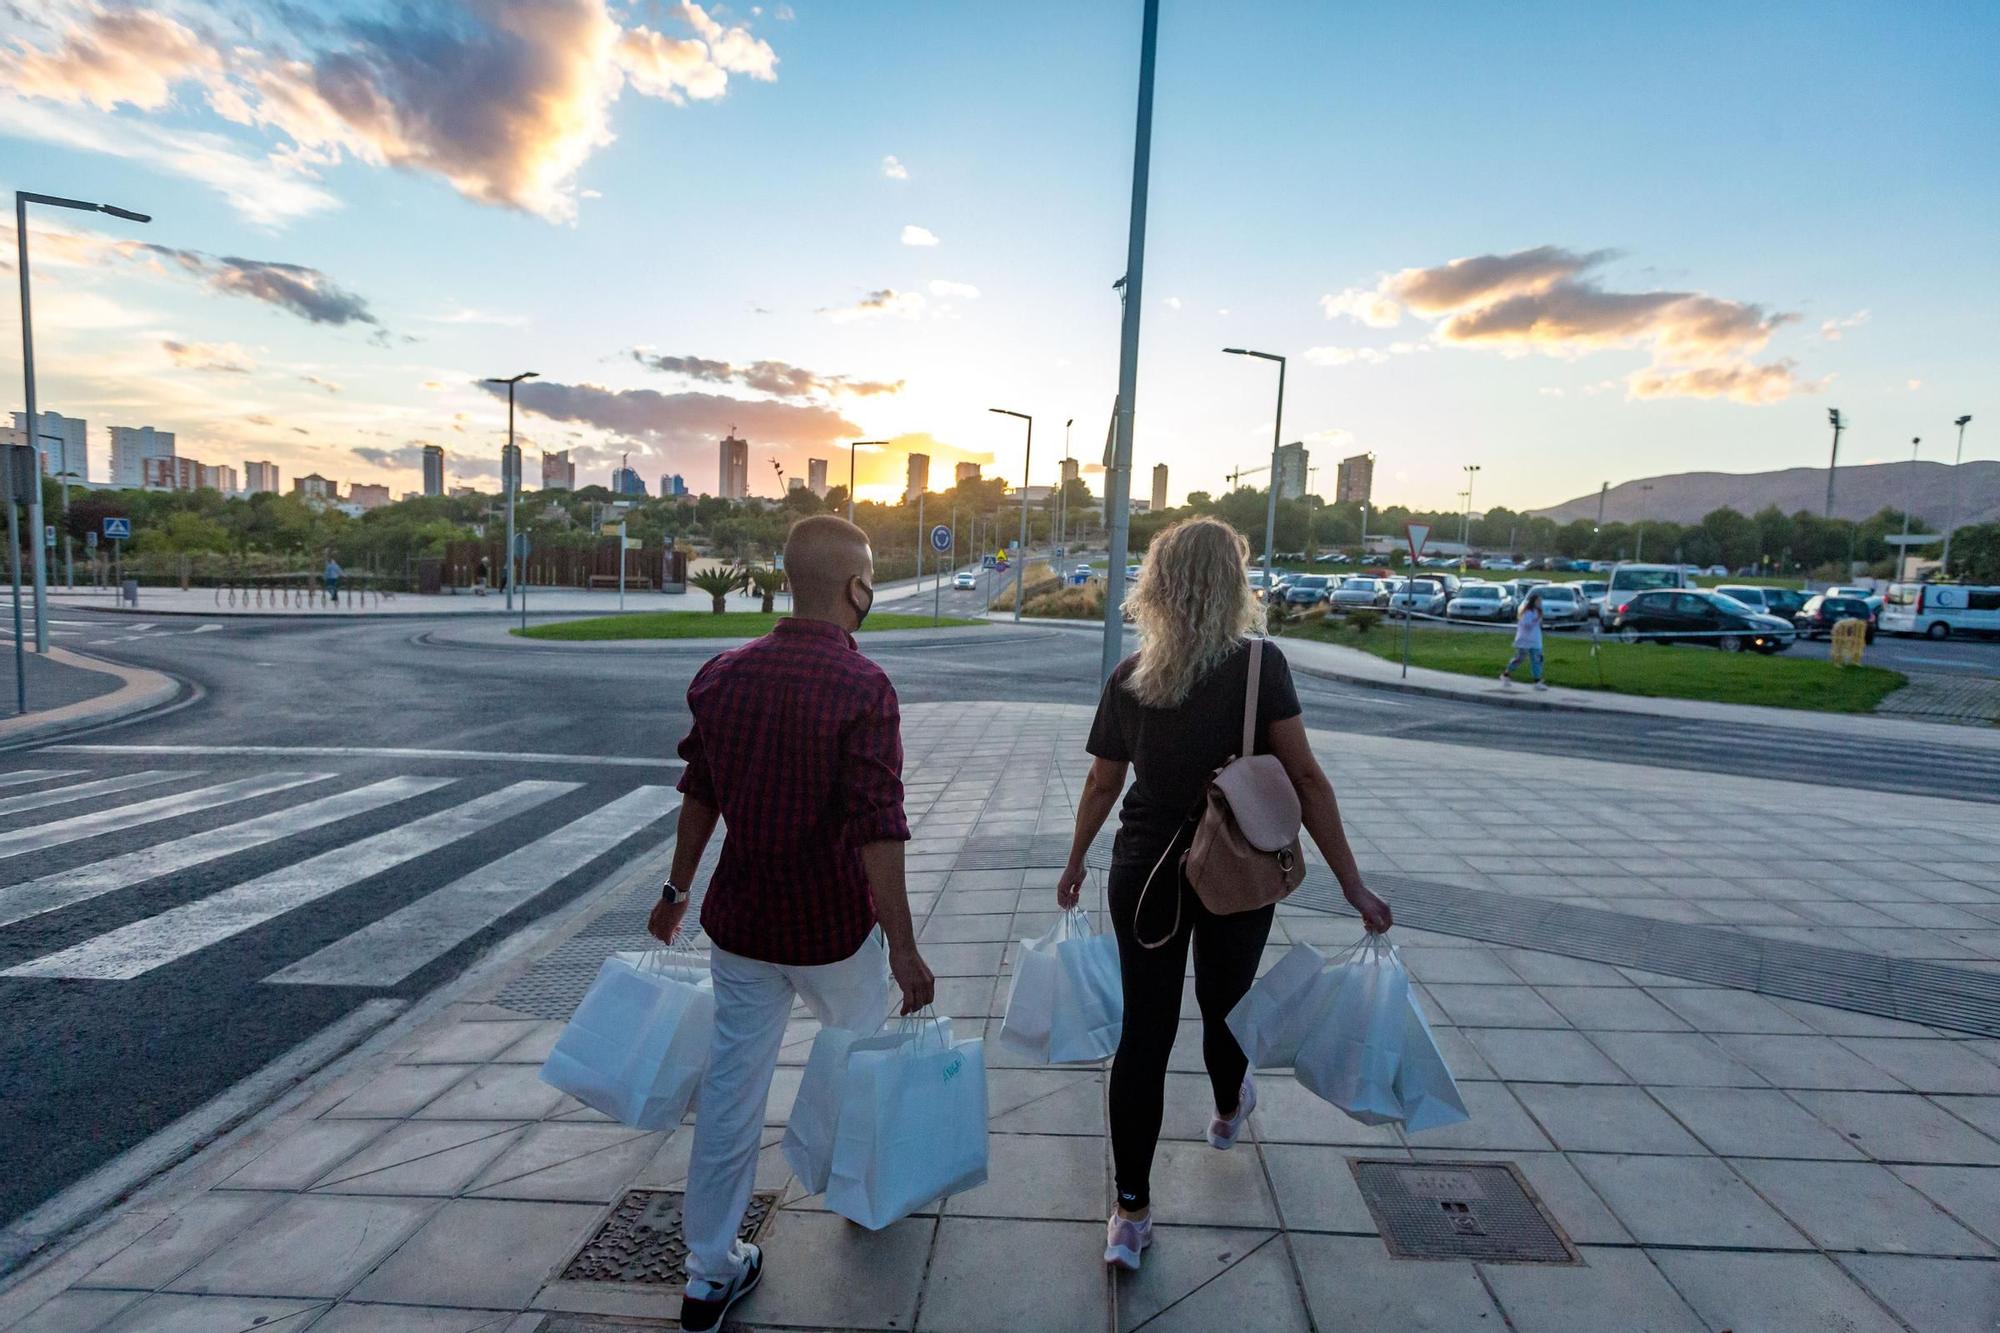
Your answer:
<point x="1460" y="1210"/>
<point x="641" y="1241"/>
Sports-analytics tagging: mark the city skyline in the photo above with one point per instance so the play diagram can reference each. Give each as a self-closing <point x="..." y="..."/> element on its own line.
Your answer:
<point x="1672" y="260"/>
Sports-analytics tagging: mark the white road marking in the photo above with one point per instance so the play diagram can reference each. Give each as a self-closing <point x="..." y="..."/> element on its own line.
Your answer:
<point x="121" y="817"/>
<point x="364" y="752"/>
<point x="102" y="787"/>
<point x="136" y="949"/>
<point x="21" y="777"/>
<point x="81" y="883"/>
<point x="390" y="949"/>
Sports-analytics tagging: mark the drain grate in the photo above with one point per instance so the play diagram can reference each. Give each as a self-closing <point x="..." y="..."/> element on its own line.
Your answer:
<point x="1460" y="1210"/>
<point x="641" y="1241"/>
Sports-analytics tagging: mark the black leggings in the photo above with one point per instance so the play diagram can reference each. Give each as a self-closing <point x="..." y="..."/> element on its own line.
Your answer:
<point x="1226" y="953"/>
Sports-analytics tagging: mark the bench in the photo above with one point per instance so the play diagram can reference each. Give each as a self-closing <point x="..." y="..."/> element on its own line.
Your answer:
<point x="632" y="581"/>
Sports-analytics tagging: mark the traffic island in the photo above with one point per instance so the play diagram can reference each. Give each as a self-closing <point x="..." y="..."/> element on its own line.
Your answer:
<point x="706" y="625"/>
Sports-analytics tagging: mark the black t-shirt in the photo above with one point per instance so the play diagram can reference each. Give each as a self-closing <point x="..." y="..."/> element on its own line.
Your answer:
<point x="1173" y="751"/>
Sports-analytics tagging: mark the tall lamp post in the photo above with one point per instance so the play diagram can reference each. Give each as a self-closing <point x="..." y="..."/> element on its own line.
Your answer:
<point x="510" y="466"/>
<point x="1639" y="531"/>
<point x="1021" y="561"/>
<point x="852" y="445"/>
<point x="1839" y="423"/>
<point x="1903" y="551"/>
<point x="1961" y="423"/>
<point x="1062" y="492"/>
<point x="1465" y="528"/>
<point x="1277" y="433"/>
<point x="22" y="198"/>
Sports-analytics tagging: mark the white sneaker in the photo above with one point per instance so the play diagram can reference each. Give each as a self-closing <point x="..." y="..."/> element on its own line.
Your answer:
<point x="1541" y="685"/>
<point x="1506" y="679"/>
<point x="1126" y="1239"/>
<point x="1223" y="1131"/>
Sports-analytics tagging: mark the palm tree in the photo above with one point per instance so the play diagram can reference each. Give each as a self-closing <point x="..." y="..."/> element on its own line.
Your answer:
<point x="767" y="582"/>
<point x="718" y="583"/>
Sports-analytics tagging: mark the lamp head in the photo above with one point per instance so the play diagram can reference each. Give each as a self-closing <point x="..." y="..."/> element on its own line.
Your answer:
<point x="125" y="213"/>
<point x="1964" y="420"/>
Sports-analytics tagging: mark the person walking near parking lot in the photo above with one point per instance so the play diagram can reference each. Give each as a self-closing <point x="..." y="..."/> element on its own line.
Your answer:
<point x="797" y="744"/>
<point x="1174" y="713"/>
<point x="1527" y="642"/>
<point x="332" y="576"/>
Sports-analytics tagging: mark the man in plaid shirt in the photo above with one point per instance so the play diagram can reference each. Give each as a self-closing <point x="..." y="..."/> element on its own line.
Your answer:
<point x="796" y="743"/>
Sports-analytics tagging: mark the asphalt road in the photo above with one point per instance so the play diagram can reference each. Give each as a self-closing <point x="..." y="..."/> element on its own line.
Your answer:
<point x="187" y="895"/>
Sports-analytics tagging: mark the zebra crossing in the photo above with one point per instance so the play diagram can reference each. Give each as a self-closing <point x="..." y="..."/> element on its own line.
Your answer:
<point x="149" y="880"/>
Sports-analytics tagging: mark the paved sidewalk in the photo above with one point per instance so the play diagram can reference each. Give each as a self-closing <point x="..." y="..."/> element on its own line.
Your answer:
<point x="1970" y="701"/>
<point x="1721" y="1158"/>
<point x="68" y="690"/>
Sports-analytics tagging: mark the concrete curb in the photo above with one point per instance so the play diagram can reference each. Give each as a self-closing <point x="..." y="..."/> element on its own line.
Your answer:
<point x="139" y="689"/>
<point x="483" y="636"/>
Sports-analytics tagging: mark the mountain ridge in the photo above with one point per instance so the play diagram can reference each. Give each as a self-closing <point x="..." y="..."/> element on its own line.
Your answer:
<point x="1859" y="492"/>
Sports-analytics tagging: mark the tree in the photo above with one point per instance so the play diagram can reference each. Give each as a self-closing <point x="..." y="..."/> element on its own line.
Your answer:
<point x="718" y="583"/>
<point x="768" y="582"/>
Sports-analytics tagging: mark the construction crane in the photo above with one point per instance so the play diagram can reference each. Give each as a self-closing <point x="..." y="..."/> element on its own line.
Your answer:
<point x="1242" y="472"/>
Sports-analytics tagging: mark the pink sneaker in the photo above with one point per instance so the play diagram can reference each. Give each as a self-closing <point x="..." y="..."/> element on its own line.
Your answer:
<point x="1223" y="1131"/>
<point x="1126" y="1239"/>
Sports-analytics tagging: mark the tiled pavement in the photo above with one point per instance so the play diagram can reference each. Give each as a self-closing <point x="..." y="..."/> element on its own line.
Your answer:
<point x="1973" y="701"/>
<point x="1722" y="1159"/>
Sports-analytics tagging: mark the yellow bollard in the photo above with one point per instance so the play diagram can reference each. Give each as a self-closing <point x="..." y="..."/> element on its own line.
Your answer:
<point x="1850" y="638"/>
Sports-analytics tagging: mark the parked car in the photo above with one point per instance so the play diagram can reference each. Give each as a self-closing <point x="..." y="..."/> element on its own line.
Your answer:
<point x="1940" y="610"/>
<point x="1356" y="591"/>
<point x="1823" y="611"/>
<point x="1717" y="571"/>
<point x="1425" y="597"/>
<point x="1784" y="602"/>
<point x="1480" y="601"/>
<point x="1562" y="606"/>
<point x="1085" y="569"/>
<point x="1687" y="615"/>
<point x="1627" y="581"/>
<point x="965" y="578"/>
<point x="1307" y="590"/>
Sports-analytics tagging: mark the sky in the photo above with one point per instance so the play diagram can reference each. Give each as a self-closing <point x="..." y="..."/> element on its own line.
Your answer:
<point x="1568" y="244"/>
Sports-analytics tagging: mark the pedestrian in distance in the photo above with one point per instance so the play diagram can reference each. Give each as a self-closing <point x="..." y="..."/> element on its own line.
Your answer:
<point x="1173" y="714"/>
<point x="332" y="576"/>
<point x="797" y="744"/>
<point x="1527" y="641"/>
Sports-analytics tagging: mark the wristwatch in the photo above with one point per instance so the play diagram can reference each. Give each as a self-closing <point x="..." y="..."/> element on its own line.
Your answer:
<point x="669" y="893"/>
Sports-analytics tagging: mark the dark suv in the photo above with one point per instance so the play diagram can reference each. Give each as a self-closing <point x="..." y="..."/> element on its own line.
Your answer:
<point x="1821" y="613"/>
<point x="1687" y="615"/>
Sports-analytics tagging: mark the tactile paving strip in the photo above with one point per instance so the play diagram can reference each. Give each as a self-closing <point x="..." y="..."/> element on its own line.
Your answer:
<point x="642" y="1242"/>
<point x="1481" y="1211"/>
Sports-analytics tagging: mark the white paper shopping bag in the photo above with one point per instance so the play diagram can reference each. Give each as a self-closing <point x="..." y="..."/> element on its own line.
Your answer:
<point x="814" y="1123"/>
<point x="1425" y="1087"/>
<point x="1278" y="1012"/>
<point x="1088" y="1016"/>
<point x="912" y="1124"/>
<point x="1031" y="998"/>
<point x="637" y="1045"/>
<point x="1352" y="1055"/>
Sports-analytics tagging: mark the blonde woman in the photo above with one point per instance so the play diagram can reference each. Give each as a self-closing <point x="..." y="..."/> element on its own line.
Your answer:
<point x="1173" y="713"/>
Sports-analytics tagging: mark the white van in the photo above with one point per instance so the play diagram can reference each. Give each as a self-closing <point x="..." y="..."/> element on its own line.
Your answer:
<point x="1627" y="581"/>
<point x="1940" y="610"/>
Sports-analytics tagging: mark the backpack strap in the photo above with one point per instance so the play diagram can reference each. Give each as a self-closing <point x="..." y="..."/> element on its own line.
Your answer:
<point x="1249" y="745"/>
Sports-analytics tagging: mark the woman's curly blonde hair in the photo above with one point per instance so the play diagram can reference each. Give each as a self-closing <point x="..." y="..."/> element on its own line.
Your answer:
<point x="1192" y="606"/>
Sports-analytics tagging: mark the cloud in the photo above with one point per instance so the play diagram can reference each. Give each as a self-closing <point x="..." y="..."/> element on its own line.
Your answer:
<point x="109" y="57"/>
<point x="1173" y="303"/>
<point x="669" y="419"/>
<point x="294" y="288"/>
<point x="1915" y="385"/>
<point x="915" y="235"/>
<point x="876" y="304"/>
<point x="964" y="291"/>
<point x="1742" y="383"/>
<point x="1831" y="329"/>
<point x="319" y="383"/>
<point x="226" y="358"/>
<point x="260" y="421"/>
<point x="773" y="377"/>
<point x="1552" y="393"/>
<point x="1342" y="356"/>
<point x="468" y="315"/>
<point x="1371" y="308"/>
<point x="893" y="168"/>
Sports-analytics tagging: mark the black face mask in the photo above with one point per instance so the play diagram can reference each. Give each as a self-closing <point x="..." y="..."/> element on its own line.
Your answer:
<point x="861" y="610"/>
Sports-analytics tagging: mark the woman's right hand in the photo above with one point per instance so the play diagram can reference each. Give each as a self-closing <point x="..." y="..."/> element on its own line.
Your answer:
<point x="1069" y="889"/>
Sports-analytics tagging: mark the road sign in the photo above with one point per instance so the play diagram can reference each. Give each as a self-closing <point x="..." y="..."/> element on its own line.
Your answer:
<point x="521" y="544"/>
<point x="118" y="529"/>
<point x="989" y="562"/>
<point x="941" y="538"/>
<point x="49" y="536"/>
<point x="90" y="541"/>
<point x="1419" y="533"/>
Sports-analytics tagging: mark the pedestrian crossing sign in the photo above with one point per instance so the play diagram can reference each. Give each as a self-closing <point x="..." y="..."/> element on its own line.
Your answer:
<point x="117" y="529"/>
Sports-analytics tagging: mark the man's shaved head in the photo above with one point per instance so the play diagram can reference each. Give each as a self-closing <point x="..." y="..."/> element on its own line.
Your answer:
<point x="823" y="555"/>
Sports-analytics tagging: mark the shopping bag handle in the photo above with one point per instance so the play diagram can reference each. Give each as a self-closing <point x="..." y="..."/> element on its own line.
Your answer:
<point x="923" y="1020"/>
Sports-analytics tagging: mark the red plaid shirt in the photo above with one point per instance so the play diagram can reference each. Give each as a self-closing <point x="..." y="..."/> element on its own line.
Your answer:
<point x="797" y="741"/>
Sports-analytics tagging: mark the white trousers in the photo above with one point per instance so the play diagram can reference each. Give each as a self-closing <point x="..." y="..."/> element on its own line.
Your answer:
<point x="753" y="1002"/>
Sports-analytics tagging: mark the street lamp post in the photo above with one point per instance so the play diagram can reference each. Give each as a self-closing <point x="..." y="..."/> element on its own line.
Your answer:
<point x="852" y="445"/>
<point x="1639" y="531"/>
<point x="1961" y="423"/>
<point x="1839" y="424"/>
<point x="1903" y="551"/>
<point x="1277" y="433"/>
<point x="1021" y="559"/>
<point x="1062" y="492"/>
<point x="1465" y="528"/>
<point x="22" y="198"/>
<point x="510" y="467"/>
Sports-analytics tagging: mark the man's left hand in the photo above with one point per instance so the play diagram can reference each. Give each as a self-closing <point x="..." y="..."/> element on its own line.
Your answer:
<point x="665" y="922"/>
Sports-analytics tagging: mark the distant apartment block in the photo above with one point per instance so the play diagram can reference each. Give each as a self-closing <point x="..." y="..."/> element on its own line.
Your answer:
<point x="1354" y="479"/>
<point x="1071" y="468"/>
<point x="131" y="446"/>
<point x="313" y="486"/>
<point x="434" y="469"/>
<point x="221" y="477"/>
<point x="558" y="473"/>
<point x="368" y="495"/>
<point x="626" y="481"/>
<point x="794" y="484"/>
<point x="673" y="485"/>
<point x="170" y="474"/>
<point x="965" y="472"/>
<point x="462" y="492"/>
<point x="920" y="478"/>
<point x="816" y="476"/>
<point x="734" y="466"/>
<point x="1293" y="461"/>
<point x="262" y="477"/>
<point x="1159" y="487"/>
<point x="63" y="443"/>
